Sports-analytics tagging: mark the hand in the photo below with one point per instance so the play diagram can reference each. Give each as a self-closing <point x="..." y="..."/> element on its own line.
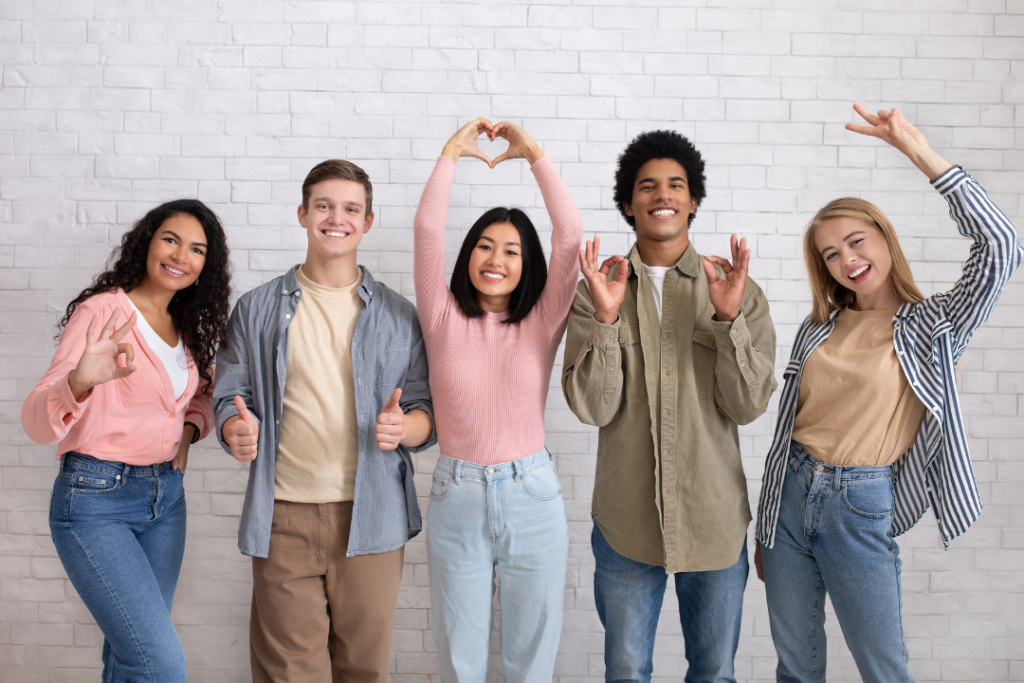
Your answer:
<point x="892" y="127"/>
<point x="180" y="461"/>
<point x="241" y="432"/>
<point x="391" y="423"/>
<point x="463" y="143"/>
<point x="758" y="563"/>
<point x="607" y="295"/>
<point x="99" y="360"/>
<point x="520" y="144"/>
<point x="727" y="294"/>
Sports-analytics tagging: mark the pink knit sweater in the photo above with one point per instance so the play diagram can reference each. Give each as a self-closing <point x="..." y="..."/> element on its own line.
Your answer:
<point x="489" y="381"/>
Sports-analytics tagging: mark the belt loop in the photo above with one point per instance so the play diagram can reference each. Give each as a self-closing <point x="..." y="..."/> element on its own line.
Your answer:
<point x="837" y="478"/>
<point x="458" y="472"/>
<point x="517" y="471"/>
<point x="124" y="475"/>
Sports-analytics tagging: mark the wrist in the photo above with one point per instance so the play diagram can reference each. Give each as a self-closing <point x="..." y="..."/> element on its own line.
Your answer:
<point x="78" y="390"/>
<point x="929" y="162"/>
<point x="534" y="153"/>
<point x="606" y="317"/>
<point x="452" y="151"/>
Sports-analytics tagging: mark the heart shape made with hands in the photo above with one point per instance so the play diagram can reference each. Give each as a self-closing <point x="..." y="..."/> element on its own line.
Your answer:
<point x="492" y="149"/>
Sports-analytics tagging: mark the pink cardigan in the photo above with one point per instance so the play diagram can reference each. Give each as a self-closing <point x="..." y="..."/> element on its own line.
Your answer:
<point x="489" y="381"/>
<point x="135" y="420"/>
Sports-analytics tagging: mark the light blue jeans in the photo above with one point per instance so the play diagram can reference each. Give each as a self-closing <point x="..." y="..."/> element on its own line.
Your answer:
<point x="833" y="536"/>
<point x="629" y="597"/>
<point x="120" y="534"/>
<point x="507" y="519"/>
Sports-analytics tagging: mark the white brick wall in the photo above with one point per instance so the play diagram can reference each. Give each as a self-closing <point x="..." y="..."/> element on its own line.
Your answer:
<point x="107" y="107"/>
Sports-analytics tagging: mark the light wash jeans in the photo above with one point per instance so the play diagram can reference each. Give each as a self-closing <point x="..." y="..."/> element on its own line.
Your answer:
<point x="508" y="519"/>
<point x="629" y="597"/>
<point x="120" y="534"/>
<point x="833" y="536"/>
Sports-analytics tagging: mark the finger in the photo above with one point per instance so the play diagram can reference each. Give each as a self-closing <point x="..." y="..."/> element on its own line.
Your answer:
<point x="623" y="275"/>
<point x="389" y="419"/>
<point x="608" y="263"/>
<point x="743" y="263"/>
<point x="597" y="249"/>
<point x="866" y="115"/>
<point x="109" y="326"/>
<point x="709" y="271"/>
<point x="392" y="402"/>
<point x="864" y="130"/>
<point x="500" y="158"/>
<point x="584" y="266"/>
<point x="119" y="333"/>
<point x="121" y="373"/>
<point x="721" y="262"/>
<point x="129" y="352"/>
<point x="895" y="122"/>
<point x="734" y="247"/>
<point x="387" y="445"/>
<point x="884" y="114"/>
<point x="243" y="411"/>
<point x="91" y="330"/>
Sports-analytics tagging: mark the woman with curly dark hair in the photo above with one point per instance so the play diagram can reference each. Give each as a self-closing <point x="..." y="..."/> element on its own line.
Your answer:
<point x="117" y="513"/>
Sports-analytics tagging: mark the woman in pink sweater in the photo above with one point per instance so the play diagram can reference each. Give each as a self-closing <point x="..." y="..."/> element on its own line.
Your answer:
<point x="495" y="500"/>
<point x="117" y="512"/>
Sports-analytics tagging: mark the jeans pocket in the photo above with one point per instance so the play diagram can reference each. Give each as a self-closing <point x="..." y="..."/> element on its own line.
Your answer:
<point x="90" y="482"/>
<point x="440" y="487"/>
<point x="870" y="498"/>
<point x="542" y="483"/>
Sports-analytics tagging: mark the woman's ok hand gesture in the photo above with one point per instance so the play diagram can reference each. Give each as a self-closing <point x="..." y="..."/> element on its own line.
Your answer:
<point x="99" y="361"/>
<point x="607" y="295"/>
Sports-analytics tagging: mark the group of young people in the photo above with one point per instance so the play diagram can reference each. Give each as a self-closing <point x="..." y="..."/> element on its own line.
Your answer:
<point x="327" y="381"/>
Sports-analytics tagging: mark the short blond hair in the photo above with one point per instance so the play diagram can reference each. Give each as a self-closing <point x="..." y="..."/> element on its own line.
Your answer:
<point x="827" y="294"/>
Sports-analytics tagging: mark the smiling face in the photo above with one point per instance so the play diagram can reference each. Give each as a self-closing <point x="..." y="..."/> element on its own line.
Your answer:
<point x="661" y="204"/>
<point x="335" y="220"/>
<point x="177" y="253"/>
<point x="858" y="258"/>
<point x="496" y="266"/>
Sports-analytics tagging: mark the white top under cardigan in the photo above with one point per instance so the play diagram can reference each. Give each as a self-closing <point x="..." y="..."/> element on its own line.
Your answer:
<point x="172" y="357"/>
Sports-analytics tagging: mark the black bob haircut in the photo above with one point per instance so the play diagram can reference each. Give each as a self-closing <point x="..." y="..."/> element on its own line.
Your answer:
<point x="657" y="144"/>
<point x="535" y="268"/>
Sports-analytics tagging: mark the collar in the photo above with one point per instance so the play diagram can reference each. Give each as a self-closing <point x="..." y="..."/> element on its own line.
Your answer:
<point x="291" y="283"/>
<point x="689" y="263"/>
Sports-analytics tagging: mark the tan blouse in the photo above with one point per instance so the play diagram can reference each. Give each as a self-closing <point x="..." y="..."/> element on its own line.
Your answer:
<point x="856" y="407"/>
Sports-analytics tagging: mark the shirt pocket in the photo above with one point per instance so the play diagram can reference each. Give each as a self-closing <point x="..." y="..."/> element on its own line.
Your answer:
<point x="138" y="388"/>
<point x="705" y="359"/>
<point x="392" y="366"/>
<point x="634" y="380"/>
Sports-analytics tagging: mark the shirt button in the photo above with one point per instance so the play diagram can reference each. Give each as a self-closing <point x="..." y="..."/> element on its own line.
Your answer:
<point x="743" y="363"/>
<point x="167" y="440"/>
<point x="622" y="340"/>
<point x="277" y="422"/>
<point x="287" y="315"/>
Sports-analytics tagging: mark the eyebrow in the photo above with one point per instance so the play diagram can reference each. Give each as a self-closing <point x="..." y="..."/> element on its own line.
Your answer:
<point x="651" y="180"/>
<point x="177" y="237"/>
<point x="855" y="232"/>
<point x="316" y="200"/>
<point x="485" y="237"/>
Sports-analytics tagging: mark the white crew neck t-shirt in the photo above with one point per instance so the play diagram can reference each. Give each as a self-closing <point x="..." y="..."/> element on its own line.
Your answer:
<point x="656" y="276"/>
<point x="173" y="357"/>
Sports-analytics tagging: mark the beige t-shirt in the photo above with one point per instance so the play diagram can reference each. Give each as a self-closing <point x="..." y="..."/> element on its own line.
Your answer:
<point x="319" y="448"/>
<point x="855" y="407"/>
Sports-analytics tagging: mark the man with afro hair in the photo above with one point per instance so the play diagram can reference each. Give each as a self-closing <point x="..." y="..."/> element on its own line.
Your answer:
<point x="667" y="352"/>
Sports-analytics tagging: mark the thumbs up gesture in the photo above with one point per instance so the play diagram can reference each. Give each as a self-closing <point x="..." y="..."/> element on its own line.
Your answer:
<point x="241" y="432"/>
<point x="391" y="423"/>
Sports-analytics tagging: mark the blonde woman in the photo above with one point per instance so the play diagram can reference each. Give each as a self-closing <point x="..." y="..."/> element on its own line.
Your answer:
<point x="870" y="432"/>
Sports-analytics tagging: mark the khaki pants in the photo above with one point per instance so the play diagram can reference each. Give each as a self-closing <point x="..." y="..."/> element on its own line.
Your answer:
<point x="318" y="615"/>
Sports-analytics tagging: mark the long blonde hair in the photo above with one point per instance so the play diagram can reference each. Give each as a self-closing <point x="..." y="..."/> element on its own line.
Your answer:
<point x="826" y="293"/>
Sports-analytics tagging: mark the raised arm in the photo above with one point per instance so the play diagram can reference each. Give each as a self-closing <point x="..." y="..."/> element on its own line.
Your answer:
<point x="84" y="359"/>
<point x="432" y="295"/>
<point x="996" y="251"/>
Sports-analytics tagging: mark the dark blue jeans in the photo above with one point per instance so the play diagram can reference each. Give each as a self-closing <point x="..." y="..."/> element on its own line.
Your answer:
<point x="120" y="534"/>
<point x="629" y="597"/>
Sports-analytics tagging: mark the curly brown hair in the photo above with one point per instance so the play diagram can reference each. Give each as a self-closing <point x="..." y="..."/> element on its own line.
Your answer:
<point x="199" y="312"/>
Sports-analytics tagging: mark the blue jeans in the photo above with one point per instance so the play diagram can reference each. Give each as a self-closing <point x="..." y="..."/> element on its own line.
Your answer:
<point x="833" y="536"/>
<point x="629" y="596"/>
<point x="508" y="518"/>
<point x="120" y="534"/>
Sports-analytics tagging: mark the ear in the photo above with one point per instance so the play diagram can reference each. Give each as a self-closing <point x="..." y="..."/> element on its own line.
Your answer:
<point x="693" y="206"/>
<point x="367" y="222"/>
<point x="627" y="208"/>
<point x="302" y="215"/>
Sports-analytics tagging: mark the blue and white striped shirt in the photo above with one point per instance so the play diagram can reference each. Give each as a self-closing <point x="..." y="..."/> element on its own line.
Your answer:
<point x="929" y="338"/>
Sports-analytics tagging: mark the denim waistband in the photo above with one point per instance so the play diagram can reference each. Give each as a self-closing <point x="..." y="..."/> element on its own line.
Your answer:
<point x="463" y="469"/>
<point x="73" y="460"/>
<point x="799" y="457"/>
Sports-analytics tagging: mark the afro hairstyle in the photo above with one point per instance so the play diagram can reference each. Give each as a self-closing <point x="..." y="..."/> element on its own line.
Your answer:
<point x="657" y="144"/>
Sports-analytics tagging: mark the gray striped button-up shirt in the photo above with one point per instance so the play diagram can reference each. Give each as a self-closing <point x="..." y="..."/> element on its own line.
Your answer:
<point x="929" y="338"/>
<point x="387" y="352"/>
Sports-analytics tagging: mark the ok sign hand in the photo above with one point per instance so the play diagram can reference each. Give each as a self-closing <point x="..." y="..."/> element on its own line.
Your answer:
<point x="99" y="361"/>
<point x="607" y="294"/>
<point x="726" y="295"/>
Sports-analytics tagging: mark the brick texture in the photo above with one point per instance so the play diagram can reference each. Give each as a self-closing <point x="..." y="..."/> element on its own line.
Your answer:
<point x="107" y="107"/>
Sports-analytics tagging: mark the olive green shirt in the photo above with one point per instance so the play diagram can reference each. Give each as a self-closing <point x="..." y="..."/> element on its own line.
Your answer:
<point x="669" y="487"/>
